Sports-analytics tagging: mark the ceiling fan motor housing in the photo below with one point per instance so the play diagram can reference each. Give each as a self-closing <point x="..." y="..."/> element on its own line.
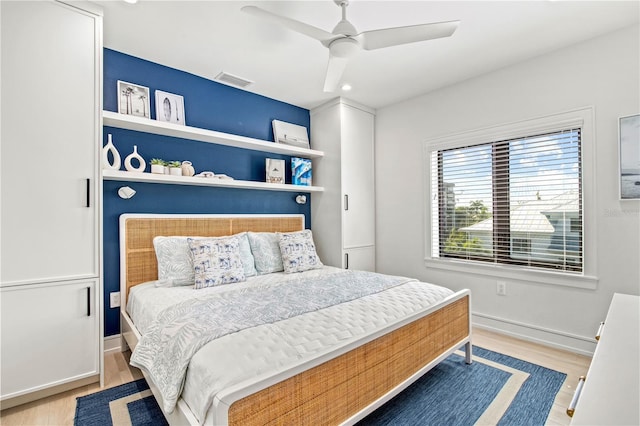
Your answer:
<point x="344" y="47"/>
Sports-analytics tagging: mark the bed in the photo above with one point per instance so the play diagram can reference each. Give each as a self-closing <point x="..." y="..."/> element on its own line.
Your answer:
<point x="366" y="351"/>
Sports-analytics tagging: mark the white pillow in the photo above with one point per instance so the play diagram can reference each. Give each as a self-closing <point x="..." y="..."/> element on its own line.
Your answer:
<point x="175" y="261"/>
<point x="298" y="251"/>
<point x="266" y="252"/>
<point x="216" y="261"/>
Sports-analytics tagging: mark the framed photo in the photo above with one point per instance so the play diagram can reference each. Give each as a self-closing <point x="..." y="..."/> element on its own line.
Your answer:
<point x="300" y="171"/>
<point x="290" y="134"/>
<point x="629" y="148"/>
<point x="274" y="170"/>
<point x="133" y="99"/>
<point x="169" y="107"/>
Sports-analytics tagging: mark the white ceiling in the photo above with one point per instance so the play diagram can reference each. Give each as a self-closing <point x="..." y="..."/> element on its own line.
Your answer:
<point x="207" y="37"/>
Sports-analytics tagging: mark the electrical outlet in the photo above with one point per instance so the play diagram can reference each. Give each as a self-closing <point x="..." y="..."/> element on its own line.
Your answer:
<point x="114" y="301"/>
<point x="501" y="288"/>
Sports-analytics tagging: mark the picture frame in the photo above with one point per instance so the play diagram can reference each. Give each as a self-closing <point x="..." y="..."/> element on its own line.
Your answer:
<point x="133" y="99"/>
<point x="170" y="108"/>
<point x="274" y="170"/>
<point x="629" y="156"/>
<point x="301" y="170"/>
<point x="290" y="134"/>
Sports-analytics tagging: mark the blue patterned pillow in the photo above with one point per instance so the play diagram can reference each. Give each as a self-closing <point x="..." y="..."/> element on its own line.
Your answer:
<point x="266" y="252"/>
<point x="216" y="261"/>
<point x="298" y="251"/>
<point x="175" y="261"/>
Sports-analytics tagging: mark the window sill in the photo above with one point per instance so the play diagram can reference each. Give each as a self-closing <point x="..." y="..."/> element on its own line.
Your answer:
<point x="514" y="273"/>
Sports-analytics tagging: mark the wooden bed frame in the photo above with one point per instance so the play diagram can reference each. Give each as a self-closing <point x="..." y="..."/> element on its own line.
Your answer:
<point x="341" y="387"/>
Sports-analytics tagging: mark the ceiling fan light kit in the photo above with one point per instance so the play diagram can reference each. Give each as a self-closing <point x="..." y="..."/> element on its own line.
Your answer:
<point x="344" y="41"/>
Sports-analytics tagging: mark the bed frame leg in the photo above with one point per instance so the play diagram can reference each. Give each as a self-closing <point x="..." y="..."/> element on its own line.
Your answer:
<point x="468" y="352"/>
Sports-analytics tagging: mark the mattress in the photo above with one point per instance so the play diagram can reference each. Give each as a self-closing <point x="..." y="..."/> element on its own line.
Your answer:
<point x="257" y="353"/>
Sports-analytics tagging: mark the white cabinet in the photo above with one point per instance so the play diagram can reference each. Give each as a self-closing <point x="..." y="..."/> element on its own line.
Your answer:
<point x="612" y="387"/>
<point x="50" y="189"/>
<point x="343" y="217"/>
<point x="46" y="329"/>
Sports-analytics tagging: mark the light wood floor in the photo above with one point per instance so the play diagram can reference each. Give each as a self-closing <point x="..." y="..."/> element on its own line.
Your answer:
<point x="60" y="409"/>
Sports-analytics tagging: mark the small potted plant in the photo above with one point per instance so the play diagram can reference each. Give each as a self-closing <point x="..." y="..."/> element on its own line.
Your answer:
<point x="158" y="165"/>
<point x="175" y="168"/>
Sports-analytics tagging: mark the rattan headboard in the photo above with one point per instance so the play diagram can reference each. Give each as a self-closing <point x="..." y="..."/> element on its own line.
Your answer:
<point x="138" y="262"/>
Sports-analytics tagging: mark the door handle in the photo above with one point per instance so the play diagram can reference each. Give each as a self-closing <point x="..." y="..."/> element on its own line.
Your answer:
<point x="88" y="301"/>
<point x="88" y="192"/>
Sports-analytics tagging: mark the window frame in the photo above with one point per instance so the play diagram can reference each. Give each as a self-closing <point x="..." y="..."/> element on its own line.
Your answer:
<point x="582" y="118"/>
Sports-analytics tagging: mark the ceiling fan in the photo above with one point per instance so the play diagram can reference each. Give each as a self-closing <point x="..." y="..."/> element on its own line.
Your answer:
<point x="344" y="41"/>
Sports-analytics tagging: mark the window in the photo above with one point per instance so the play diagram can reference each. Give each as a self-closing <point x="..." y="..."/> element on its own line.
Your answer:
<point x="511" y="201"/>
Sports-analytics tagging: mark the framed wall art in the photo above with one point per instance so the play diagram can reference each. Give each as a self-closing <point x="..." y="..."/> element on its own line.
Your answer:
<point x="133" y="99"/>
<point x="169" y="107"/>
<point x="629" y="150"/>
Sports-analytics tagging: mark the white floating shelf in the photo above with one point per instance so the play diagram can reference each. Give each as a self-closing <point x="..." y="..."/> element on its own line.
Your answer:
<point x="119" y="175"/>
<point x="140" y="124"/>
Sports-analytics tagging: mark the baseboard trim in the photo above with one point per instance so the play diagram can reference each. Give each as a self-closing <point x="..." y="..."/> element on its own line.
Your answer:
<point x="113" y="344"/>
<point x="545" y="336"/>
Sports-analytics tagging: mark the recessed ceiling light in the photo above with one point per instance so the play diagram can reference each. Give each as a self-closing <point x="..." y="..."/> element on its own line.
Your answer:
<point x="131" y="1"/>
<point x="346" y="87"/>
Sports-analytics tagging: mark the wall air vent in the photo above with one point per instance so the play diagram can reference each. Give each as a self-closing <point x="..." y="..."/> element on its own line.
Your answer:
<point x="233" y="80"/>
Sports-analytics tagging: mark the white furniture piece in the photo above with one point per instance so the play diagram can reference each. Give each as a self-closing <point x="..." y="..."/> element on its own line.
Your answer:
<point x="50" y="281"/>
<point x="141" y="124"/>
<point x="612" y="387"/>
<point x="342" y="217"/>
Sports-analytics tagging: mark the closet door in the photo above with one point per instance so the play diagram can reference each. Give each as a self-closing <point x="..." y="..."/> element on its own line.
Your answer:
<point x="358" y="178"/>
<point x="50" y="122"/>
<point x="49" y="335"/>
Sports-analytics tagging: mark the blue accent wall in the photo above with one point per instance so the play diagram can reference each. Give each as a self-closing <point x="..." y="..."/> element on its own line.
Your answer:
<point x="209" y="105"/>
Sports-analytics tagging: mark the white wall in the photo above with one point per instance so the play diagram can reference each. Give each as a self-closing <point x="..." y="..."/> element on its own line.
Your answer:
<point x="603" y="73"/>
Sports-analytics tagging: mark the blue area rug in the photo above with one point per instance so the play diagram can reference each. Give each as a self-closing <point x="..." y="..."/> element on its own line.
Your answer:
<point x="495" y="390"/>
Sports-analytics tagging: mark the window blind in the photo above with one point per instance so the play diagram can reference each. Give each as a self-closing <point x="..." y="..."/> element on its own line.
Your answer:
<point x="516" y="201"/>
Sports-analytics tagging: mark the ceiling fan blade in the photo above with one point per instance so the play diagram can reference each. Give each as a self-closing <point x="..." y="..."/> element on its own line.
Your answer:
<point x="377" y="39"/>
<point x="292" y="24"/>
<point x="335" y="68"/>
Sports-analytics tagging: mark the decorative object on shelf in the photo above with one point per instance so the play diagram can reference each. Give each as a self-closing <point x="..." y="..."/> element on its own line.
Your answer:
<point x="187" y="169"/>
<point x="110" y="148"/>
<point x="169" y="107"/>
<point x="158" y="165"/>
<point x="290" y="134"/>
<point x="300" y="171"/>
<point x="135" y="156"/>
<point x="301" y="199"/>
<point x="629" y="134"/>
<point x="274" y="170"/>
<point x="133" y="99"/>
<point x="126" y="192"/>
<point x="175" y="168"/>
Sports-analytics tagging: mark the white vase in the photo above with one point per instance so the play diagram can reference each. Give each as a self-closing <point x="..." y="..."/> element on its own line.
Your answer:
<point x="175" y="171"/>
<point x="134" y="155"/>
<point x="110" y="148"/>
<point x="187" y="169"/>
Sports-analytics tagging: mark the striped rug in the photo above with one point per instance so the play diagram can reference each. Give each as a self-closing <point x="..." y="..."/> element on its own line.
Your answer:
<point x="495" y="389"/>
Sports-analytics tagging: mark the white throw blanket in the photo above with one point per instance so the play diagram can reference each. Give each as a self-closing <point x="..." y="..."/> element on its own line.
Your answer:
<point x="164" y="352"/>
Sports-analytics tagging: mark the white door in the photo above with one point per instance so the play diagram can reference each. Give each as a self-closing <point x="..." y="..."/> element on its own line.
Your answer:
<point x="49" y="335"/>
<point x="358" y="177"/>
<point x="49" y="129"/>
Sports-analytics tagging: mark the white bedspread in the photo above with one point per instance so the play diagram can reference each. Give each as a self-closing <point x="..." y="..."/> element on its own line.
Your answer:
<point x="265" y="350"/>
